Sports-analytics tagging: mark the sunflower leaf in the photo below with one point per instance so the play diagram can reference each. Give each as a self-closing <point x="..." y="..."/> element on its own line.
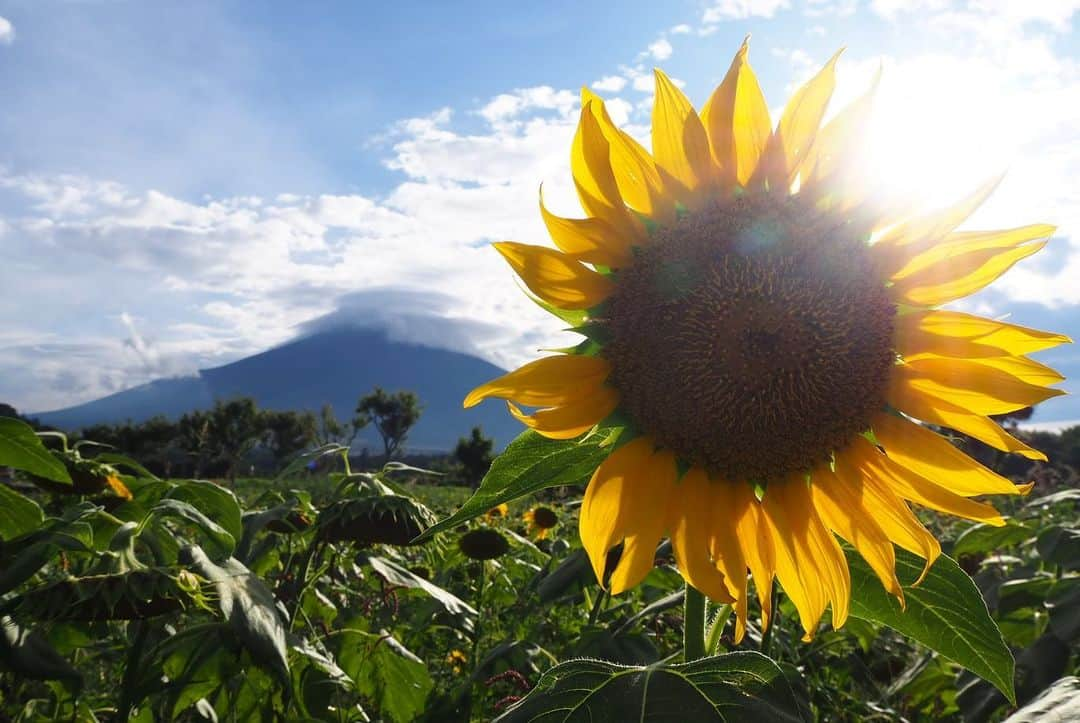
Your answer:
<point x="738" y="686"/>
<point x="530" y="463"/>
<point x="22" y="449"/>
<point x="945" y="613"/>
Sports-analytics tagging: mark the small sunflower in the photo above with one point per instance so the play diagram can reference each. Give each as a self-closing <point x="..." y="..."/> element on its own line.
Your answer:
<point x="541" y="520"/>
<point x="769" y="338"/>
<point x="483" y="543"/>
<point x="456" y="659"/>
<point x="497" y="512"/>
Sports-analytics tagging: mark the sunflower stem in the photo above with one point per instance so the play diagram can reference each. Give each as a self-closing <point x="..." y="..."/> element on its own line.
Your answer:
<point x="693" y="625"/>
<point x="716" y="629"/>
<point x="478" y="629"/>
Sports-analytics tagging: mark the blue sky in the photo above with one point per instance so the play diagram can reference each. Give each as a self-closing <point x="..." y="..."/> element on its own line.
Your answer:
<point x="183" y="184"/>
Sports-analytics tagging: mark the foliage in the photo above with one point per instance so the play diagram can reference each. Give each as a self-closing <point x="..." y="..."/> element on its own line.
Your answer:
<point x="392" y="414"/>
<point x="312" y="599"/>
<point x="473" y="453"/>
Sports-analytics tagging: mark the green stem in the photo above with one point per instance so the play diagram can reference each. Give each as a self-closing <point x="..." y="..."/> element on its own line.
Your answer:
<point x="478" y="629"/>
<point x="595" y="612"/>
<point x="693" y="625"/>
<point x="767" y="635"/>
<point x="716" y="629"/>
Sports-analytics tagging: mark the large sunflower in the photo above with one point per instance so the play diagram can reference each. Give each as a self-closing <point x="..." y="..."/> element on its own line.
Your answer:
<point x="769" y="337"/>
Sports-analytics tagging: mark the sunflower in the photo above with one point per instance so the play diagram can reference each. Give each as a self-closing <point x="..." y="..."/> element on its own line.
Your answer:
<point x="540" y="520"/>
<point x="456" y="659"/>
<point x="768" y="337"/>
<point x="497" y="512"/>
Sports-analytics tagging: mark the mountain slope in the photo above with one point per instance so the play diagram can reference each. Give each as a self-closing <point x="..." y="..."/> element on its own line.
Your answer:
<point x="333" y="366"/>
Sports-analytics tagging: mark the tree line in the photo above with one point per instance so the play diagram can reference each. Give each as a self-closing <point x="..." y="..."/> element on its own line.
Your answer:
<point x="236" y="437"/>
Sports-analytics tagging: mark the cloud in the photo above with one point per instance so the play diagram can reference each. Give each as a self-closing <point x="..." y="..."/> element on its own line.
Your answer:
<point x="660" y="49"/>
<point x="7" y="31"/>
<point x="722" y="10"/>
<point x="609" y="84"/>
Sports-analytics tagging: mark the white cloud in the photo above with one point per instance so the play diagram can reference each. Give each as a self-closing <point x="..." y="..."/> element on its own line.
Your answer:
<point x="609" y="84"/>
<point x="722" y="10"/>
<point x="661" y="49"/>
<point x="7" y="32"/>
<point x="681" y="29"/>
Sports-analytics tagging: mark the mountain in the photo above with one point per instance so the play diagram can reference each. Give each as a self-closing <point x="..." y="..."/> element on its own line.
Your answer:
<point x="336" y="366"/>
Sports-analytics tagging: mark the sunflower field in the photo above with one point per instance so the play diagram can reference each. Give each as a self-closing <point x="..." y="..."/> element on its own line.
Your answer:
<point x="764" y="483"/>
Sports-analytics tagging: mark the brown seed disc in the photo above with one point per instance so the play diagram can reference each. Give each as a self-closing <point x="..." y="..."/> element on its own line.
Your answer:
<point x="753" y="338"/>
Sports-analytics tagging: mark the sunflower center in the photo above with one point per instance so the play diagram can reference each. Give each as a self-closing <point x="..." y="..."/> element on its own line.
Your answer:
<point x="752" y="338"/>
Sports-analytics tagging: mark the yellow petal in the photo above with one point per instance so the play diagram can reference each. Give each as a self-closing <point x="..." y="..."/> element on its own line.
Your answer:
<point x="679" y="143"/>
<point x="590" y="165"/>
<point x="837" y="148"/>
<point x="959" y="277"/>
<point x="736" y="119"/>
<point x="918" y="489"/>
<point x="728" y="510"/>
<point x="890" y="512"/>
<point x="555" y="277"/>
<point x="547" y="382"/>
<point x="1022" y="368"/>
<point x="955" y="324"/>
<point x="922" y="451"/>
<point x="626" y="500"/>
<point x="978" y="388"/>
<point x="958" y="244"/>
<point x="932" y="227"/>
<point x="789" y="529"/>
<point x="844" y="508"/>
<point x="929" y="409"/>
<point x="571" y="420"/>
<point x="798" y="128"/>
<point x="117" y="486"/>
<point x="756" y="544"/>
<point x="635" y="171"/>
<point x="592" y="240"/>
<point x="691" y="528"/>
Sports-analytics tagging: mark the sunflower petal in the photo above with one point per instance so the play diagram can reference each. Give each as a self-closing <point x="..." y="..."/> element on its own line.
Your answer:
<point x="843" y="508"/>
<point x="548" y="381"/>
<point x="592" y="240"/>
<point x="924" y="452"/>
<point x="555" y="277"/>
<point x="727" y="511"/>
<point x="979" y="388"/>
<point x="736" y="119"/>
<point x="635" y="171"/>
<point x="960" y="277"/>
<point x="590" y="165"/>
<point x="756" y="544"/>
<point x="1022" y="368"/>
<point x="936" y="411"/>
<point x="918" y="489"/>
<point x="571" y="420"/>
<point x="960" y="243"/>
<point x="932" y="227"/>
<point x="691" y="529"/>
<point x="836" y="147"/>
<point x="889" y="511"/>
<point x="789" y="530"/>
<point x="956" y="324"/>
<point x="621" y="504"/>
<point x="679" y="142"/>
<point x="798" y="128"/>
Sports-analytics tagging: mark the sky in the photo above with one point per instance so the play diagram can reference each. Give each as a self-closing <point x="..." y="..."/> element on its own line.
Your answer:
<point x="183" y="184"/>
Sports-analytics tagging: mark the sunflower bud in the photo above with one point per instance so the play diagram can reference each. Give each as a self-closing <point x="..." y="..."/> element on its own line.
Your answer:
<point x="386" y="520"/>
<point x="483" y="544"/>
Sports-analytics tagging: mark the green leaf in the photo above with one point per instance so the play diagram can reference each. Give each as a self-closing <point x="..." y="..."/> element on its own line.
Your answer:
<point x="397" y="575"/>
<point x="530" y="463"/>
<point x="987" y="538"/>
<point x="28" y="654"/>
<point x="1060" y="703"/>
<point x="217" y="537"/>
<point x="18" y="514"/>
<point x="216" y="502"/>
<point x="121" y="460"/>
<point x="385" y="672"/>
<point x="1061" y="546"/>
<point x="22" y="449"/>
<point x="945" y="613"/>
<point x="250" y="608"/>
<point x="742" y="686"/>
<point x="1063" y="602"/>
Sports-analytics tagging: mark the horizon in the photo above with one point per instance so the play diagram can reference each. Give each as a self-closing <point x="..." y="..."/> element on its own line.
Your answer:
<point x="184" y="186"/>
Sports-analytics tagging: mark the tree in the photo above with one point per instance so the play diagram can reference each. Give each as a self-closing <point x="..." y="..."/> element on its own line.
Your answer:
<point x="288" y="432"/>
<point x="473" y="453"/>
<point x="392" y="414"/>
<point x="330" y="429"/>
